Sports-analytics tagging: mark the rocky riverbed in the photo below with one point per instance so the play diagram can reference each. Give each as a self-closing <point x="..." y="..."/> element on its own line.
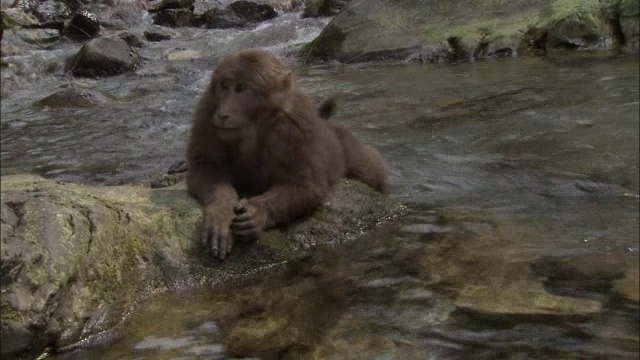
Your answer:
<point x="512" y="134"/>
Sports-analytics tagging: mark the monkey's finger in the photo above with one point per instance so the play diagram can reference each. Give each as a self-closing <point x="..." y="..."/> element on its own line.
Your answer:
<point x="222" y="247"/>
<point x="242" y="225"/>
<point x="206" y="234"/>
<point x="229" y="244"/>
<point x="214" y="243"/>
<point x="246" y="233"/>
<point x="205" y="239"/>
<point x="242" y="218"/>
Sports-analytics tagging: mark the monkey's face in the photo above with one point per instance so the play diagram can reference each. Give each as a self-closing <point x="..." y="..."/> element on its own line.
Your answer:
<point x="237" y="102"/>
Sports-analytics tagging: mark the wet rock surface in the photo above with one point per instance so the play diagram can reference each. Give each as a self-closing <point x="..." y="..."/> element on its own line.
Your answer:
<point x="237" y="14"/>
<point x="76" y="258"/>
<point x="404" y="297"/>
<point x="104" y="57"/>
<point x="74" y="97"/>
<point x="317" y="8"/>
<point x="427" y="31"/>
<point x="157" y="33"/>
<point x="82" y="26"/>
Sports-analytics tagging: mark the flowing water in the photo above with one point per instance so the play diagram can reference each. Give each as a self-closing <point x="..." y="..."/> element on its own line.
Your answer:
<point x="520" y="173"/>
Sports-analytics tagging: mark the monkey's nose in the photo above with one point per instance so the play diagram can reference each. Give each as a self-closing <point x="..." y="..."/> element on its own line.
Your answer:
<point x="223" y="116"/>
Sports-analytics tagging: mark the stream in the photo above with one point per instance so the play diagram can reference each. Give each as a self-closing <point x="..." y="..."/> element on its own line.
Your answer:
<point x="506" y="165"/>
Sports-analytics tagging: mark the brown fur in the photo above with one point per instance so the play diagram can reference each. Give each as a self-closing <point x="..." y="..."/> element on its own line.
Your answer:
<point x="255" y="135"/>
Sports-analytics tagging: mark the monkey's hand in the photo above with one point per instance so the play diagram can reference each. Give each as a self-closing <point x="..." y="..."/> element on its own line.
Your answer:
<point x="249" y="221"/>
<point x="217" y="237"/>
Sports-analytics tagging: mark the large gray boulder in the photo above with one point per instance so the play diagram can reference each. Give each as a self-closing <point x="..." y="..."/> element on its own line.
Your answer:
<point x="104" y="57"/>
<point x="436" y="30"/>
<point x="76" y="258"/>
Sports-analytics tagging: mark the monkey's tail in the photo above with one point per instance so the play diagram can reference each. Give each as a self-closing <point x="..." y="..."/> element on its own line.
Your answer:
<point x="328" y="108"/>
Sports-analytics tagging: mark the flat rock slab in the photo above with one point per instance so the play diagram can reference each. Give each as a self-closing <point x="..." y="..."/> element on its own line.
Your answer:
<point x="526" y="298"/>
<point x="446" y="31"/>
<point x="76" y="258"/>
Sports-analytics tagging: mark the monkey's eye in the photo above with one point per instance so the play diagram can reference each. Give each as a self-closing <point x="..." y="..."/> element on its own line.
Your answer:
<point x="224" y="85"/>
<point x="240" y="87"/>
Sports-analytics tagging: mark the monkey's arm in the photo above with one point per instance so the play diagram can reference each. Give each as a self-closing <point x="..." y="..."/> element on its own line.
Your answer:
<point x="217" y="197"/>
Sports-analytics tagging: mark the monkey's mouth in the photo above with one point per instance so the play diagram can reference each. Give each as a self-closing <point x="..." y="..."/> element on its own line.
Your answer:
<point x="227" y="127"/>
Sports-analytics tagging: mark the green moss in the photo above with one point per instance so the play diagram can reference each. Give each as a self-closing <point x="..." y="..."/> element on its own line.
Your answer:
<point x="117" y="275"/>
<point x="45" y="354"/>
<point x="9" y="314"/>
<point x="326" y="46"/>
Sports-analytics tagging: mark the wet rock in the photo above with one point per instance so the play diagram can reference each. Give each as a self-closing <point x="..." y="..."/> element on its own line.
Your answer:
<point x="479" y="29"/>
<point x="176" y="18"/>
<point x="523" y="299"/>
<point x="39" y="36"/>
<point x="238" y="14"/>
<point x="12" y="50"/>
<point x="133" y="39"/>
<point x="182" y="55"/>
<point x="83" y="26"/>
<point x="629" y="286"/>
<point x="13" y="45"/>
<point x="283" y="5"/>
<point x="178" y="167"/>
<point x="286" y="322"/>
<point x="16" y="17"/>
<point x="74" y="98"/>
<point x="157" y="33"/>
<point x="251" y="12"/>
<point x="76" y="258"/>
<point x="104" y="57"/>
<point x="124" y="14"/>
<point x="52" y="14"/>
<point x="210" y="351"/>
<point x="221" y="19"/>
<point x="235" y="15"/>
<point x="15" y="337"/>
<point x="172" y="4"/>
<point x="318" y="8"/>
<point x="580" y="267"/>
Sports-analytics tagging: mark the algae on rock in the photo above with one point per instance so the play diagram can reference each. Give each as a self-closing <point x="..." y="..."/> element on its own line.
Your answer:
<point x="76" y="258"/>
<point x="433" y="29"/>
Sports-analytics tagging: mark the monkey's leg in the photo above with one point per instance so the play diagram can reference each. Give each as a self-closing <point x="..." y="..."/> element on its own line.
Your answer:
<point x="364" y="162"/>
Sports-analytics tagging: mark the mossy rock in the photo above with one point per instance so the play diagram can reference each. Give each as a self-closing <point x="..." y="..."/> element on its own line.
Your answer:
<point x="438" y="30"/>
<point x="76" y="258"/>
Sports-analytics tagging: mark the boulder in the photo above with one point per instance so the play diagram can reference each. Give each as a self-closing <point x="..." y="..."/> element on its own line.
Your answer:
<point x="133" y="38"/>
<point x="176" y="18"/>
<point x="456" y="31"/>
<point x="74" y="98"/>
<point x="157" y="33"/>
<point x="16" y="17"/>
<point x="220" y="19"/>
<point x="76" y="258"/>
<point x="323" y="8"/>
<point x="252" y="12"/>
<point x="103" y="57"/>
<point x="82" y="26"/>
<point x="237" y="14"/>
<point x="172" y="4"/>
<point x="52" y="14"/>
<point x="42" y="37"/>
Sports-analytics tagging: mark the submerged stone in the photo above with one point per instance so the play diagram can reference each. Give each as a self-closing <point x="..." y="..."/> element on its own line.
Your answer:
<point x="523" y="298"/>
